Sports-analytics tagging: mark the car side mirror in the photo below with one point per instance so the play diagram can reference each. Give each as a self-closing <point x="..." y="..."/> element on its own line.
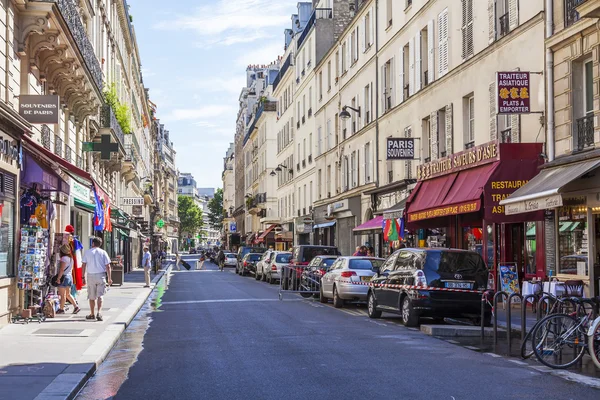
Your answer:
<point x="376" y="270"/>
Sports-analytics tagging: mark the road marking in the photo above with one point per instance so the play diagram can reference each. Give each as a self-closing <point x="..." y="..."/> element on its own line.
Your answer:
<point x="452" y="341"/>
<point x="224" y="301"/>
<point x="472" y="348"/>
<point x="493" y="355"/>
<point x="518" y="362"/>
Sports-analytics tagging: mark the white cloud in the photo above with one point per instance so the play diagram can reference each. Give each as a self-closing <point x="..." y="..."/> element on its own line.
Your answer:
<point x="233" y="21"/>
<point x="186" y="114"/>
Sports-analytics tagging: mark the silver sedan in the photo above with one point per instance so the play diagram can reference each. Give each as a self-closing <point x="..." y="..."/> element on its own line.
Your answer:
<point x="347" y="278"/>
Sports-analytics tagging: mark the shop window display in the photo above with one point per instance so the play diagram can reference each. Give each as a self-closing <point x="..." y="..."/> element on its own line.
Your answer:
<point x="6" y="237"/>
<point x="573" y="238"/>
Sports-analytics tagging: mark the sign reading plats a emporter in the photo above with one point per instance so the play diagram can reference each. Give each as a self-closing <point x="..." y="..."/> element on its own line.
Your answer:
<point x="513" y="92"/>
<point x="400" y="148"/>
<point x="39" y="109"/>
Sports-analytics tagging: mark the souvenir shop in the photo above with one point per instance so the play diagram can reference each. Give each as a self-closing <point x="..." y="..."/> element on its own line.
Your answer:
<point x="456" y="204"/>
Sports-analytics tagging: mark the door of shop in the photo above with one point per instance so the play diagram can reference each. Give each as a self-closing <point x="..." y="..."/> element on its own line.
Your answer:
<point x="346" y="241"/>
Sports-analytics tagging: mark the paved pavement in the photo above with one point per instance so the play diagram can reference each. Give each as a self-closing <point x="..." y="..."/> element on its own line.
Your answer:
<point x="216" y="335"/>
<point x="52" y="360"/>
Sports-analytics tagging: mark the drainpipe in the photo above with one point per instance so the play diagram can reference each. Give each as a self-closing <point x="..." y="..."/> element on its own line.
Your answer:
<point x="550" y="144"/>
<point x="376" y="19"/>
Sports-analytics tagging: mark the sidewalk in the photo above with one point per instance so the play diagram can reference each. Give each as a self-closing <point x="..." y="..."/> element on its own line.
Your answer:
<point x="53" y="360"/>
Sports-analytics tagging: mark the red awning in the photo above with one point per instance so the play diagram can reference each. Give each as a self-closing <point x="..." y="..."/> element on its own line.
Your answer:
<point x="263" y="236"/>
<point x="374" y="225"/>
<point x="431" y="193"/>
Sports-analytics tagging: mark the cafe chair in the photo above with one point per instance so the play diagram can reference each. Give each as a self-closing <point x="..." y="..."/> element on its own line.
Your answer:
<point x="573" y="288"/>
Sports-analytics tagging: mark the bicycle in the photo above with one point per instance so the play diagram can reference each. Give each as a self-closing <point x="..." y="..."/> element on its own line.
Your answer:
<point x="559" y="341"/>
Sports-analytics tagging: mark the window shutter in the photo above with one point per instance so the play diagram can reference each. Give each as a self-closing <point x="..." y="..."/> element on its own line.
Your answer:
<point x="443" y="42"/>
<point x="407" y="164"/>
<point x="348" y="54"/>
<point x="383" y="89"/>
<point x="418" y="68"/>
<point x="492" y="20"/>
<point x="401" y="75"/>
<point x="513" y="14"/>
<point x="493" y="119"/>
<point x="339" y="59"/>
<point x="433" y="131"/>
<point x="373" y="16"/>
<point x="364" y="164"/>
<point x="431" y="52"/>
<point x="371" y="155"/>
<point x="411" y="66"/>
<point x="467" y="29"/>
<point x="391" y="83"/>
<point x="515" y="128"/>
<point x="363" y="37"/>
<point x="449" y="130"/>
<point x="357" y="167"/>
<point x="358" y="115"/>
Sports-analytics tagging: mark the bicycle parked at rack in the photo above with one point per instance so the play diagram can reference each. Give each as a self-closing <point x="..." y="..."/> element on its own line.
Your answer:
<point x="560" y="340"/>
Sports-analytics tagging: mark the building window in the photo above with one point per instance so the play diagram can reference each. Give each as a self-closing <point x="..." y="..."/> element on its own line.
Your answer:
<point x="320" y="85"/>
<point x="367" y="104"/>
<point x="7" y="224"/>
<point x="502" y="23"/>
<point x="443" y="43"/>
<point x="408" y="164"/>
<point x="426" y="134"/>
<point x="469" y="120"/>
<point x="441" y="132"/>
<point x="583" y="104"/>
<point x="388" y="85"/>
<point x="388" y="12"/>
<point x="368" y="161"/>
<point x="329" y="76"/>
<point x="319" y="141"/>
<point x="319" y="183"/>
<point x="368" y="38"/>
<point x="344" y="50"/>
<point x="467" y="29"/>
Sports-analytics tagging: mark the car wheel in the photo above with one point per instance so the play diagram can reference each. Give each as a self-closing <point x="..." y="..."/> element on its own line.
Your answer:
<point x="410" y="318"/>
<point x="263" y="277"/>
<point x="322" y="298"/>
<point x="372" y="307"/>
<point x="337" y="301"/>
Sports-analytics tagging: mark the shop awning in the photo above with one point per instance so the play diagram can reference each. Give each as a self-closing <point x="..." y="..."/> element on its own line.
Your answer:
<point x="530" y="232"/>
<point x="122" y="232"/>
<point x="544" y="191"/>
<point x="37" y="173"/>
<point x="396" y="211"/>
<point x="286" y="236"/>
<point x="264" y="235"/>
<point x="324" y="225"/>
<point x="370" y="227"/>
<point x="85" y="206"/>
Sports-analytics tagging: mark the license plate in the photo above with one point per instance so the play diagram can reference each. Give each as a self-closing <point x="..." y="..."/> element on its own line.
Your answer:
<point x="458" y="285"/>
<point x="365" y="278"/>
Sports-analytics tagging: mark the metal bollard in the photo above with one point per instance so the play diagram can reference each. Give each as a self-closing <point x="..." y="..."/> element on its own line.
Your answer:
<point x="496" y="296"/>
<point x="509" y="318"/>
<point x="484" y="299"/>
<point x="524" y="314"/>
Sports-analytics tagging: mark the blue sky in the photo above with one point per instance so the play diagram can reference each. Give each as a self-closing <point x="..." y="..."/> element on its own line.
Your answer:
<point x="194" y="56"/>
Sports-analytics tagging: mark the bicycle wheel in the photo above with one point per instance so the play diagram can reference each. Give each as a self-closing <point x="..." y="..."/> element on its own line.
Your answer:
<point x="526" y="345"/>
<point x="594" y="342"/>
<point x="558" y="341"/>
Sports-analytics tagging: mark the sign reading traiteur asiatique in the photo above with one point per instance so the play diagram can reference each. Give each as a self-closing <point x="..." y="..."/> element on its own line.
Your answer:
<point x="513" y="89"/>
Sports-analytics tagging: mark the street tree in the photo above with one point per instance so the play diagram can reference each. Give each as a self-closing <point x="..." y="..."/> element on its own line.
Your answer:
<point x="215" y="210"/>
<point x="190" y="217"/>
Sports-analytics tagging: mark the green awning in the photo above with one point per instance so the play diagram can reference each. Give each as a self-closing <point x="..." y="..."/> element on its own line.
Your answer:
<point x="575" y="226"/>
<point x="85" y="205"/>
<point x="565" y="225"/>
<point x="531" y="232"/>
<point x="117" y="213"/>
<point x="122" y="232"/>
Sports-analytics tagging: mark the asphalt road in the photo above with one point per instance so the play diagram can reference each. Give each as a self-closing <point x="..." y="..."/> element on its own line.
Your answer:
<point x="218" y="335"/>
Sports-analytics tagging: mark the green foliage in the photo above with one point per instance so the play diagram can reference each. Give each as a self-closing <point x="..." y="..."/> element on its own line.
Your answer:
<point x="215" y="210"/>
<point x="122" y="112"/>
<point x="190" y="216"/>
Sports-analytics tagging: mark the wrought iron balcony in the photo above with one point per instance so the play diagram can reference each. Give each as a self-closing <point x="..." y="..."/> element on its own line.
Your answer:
<point x="583" y="134"/>
<point x="69" y="154"/>
<point x="46" y="137"/>
<point x="58" y="146"/>
<point x="571" y="14"/>
<point x="506" y="136"/>
<point x="504" y="25"/>
<point x="69" y="12"/>
<point x="108" y="120"/>
<point x="79" y="162"/>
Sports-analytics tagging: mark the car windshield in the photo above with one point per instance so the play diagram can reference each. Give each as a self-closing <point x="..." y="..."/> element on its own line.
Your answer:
<point x="362" y="263"/>
<point x="230" y="255"/>
<point x="311" y="252"/>
<point x="456" y="262"/>
<point x="283" y="258"/>
<point x="328" y="262"/>
<point x="254" y="257"/>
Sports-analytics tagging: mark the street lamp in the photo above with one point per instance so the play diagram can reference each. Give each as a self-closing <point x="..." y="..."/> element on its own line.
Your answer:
<point x="345" y="115"/>
<point x="278" y="169"/>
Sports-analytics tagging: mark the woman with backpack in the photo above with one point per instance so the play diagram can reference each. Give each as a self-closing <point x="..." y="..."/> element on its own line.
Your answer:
<point x="65" y="279"/>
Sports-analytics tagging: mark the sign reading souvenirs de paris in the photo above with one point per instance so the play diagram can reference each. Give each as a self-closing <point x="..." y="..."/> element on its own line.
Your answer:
<point x="400" y="148"/>
<point x="39" y="109"/>
<point x="512" y="89"/>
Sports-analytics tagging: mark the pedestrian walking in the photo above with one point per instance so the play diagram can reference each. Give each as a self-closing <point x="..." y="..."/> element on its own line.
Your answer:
<point x="177" y="261"/>
<point x="361" y="251"/>
<point x="96" y="268"/>
<point x="65" y="279"/>
<point x="147" y="264"/>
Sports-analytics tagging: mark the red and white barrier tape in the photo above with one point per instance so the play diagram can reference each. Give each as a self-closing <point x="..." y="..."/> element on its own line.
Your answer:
<point x="412" y="287"/>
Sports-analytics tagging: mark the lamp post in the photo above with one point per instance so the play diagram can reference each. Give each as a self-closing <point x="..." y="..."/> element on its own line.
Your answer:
<point x="345" y="115"/>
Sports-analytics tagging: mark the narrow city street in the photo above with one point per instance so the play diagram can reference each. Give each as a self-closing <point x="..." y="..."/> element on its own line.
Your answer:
<point x="217" y="335"/>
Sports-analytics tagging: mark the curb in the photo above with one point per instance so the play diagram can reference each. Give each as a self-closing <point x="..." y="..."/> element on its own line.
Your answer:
<point x="68" y="384"/>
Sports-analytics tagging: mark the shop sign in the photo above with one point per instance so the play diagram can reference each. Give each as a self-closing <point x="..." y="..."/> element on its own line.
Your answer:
<point x="10" y="149"/>
<point x="512" y="89"/>
<point x="463" y="208"/>
<point x="337" y="207"/>
<point x="137" y="210"/>
<point x="232" y="227"/>
<point x="39" y="109"/>
<point x="400" y="148"/>
<point x="470" y="158"/>
<point x="526" y="206"/>
<point x="80" y="191"/>
<point x="132" y="201"/>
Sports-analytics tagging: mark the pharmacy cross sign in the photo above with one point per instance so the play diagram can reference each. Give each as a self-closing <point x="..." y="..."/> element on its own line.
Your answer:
<point x="105" y="147"/>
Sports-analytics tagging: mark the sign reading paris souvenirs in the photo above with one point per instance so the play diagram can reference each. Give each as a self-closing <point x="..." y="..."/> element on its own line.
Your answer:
<point x="400" y="148"/>
<point x="512" y="89"/>
<point x="39" y="109"/>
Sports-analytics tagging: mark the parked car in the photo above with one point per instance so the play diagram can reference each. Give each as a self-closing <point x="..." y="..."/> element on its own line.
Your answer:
<point x="193" y="251"/>
<point x="302" y="255"/>
<point x="260" y="265"/>
<point x="314" y="271"/>
<point x="242" y="251"/>
<point x="230" y="260"/>
<point x="249" y="263"/>
<point x="272" y="270"/>
<point x="341" y="281"/>
<point x="437" y="268"/>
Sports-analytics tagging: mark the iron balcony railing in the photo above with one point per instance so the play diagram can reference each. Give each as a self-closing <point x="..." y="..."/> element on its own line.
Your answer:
<point x="571" y="14"/>
<point x="284" y="67"/>
<point x="58" y="146"/>
<point x="70" y="13"/>
<point x="79" y="162"/>
<point x="46" y="137"/>
<point x="109" y="120"/>
<point x="129" y="154"/>
<point x="506" y="135"/>
<point x="504" y="25"/>
<point x="69" y="154"/>
<point x="583" y="135"/>
<point x="319" y="13"/>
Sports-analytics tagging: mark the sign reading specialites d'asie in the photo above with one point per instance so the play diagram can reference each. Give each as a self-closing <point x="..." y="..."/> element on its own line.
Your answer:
<point x="473" y="157"/>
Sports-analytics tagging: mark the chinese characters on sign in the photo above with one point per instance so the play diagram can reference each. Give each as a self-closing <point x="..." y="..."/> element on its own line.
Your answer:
<point x="470" y="158"/>
<point x="513" y="92"/>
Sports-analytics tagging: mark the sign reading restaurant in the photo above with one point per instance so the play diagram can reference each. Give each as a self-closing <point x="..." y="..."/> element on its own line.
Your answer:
<point x="512" y="89"/>
<point x="456" y="162"/>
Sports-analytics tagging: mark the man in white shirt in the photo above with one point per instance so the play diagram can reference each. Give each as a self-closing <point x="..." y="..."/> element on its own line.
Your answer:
<point x="147" y="265"/>
<point x="96" y="263"/>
